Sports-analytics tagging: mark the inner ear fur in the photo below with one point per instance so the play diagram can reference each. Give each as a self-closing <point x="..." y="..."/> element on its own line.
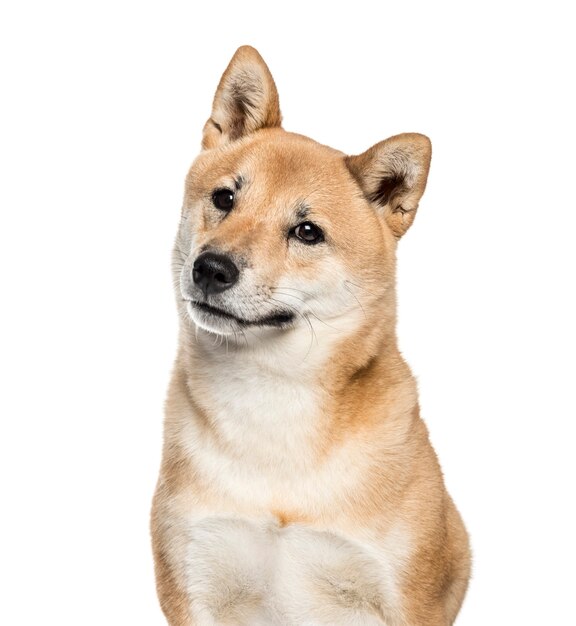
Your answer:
<point x="246" y="100"/>
<point x="392" y="174"/>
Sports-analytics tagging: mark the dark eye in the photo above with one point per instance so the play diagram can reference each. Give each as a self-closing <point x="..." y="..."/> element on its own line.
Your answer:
<point x="308" y="233"/>
<point x="223" y="199"/>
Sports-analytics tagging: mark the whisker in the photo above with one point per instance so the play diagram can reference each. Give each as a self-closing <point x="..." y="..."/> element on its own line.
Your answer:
<point x="313" y="336"/>
<point x="323" y="322"/>
<point x="244" y="336"/>
<point x="306" y="293"/>
<point x="310" y="311"/>
<point x="360" y="287"/>
<point x="289" y="295"/>
<point x="355" y="298"/>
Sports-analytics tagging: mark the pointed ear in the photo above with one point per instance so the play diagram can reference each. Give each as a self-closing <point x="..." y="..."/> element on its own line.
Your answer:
<point x="392" y="174"/>
<point x="245" y="101"/>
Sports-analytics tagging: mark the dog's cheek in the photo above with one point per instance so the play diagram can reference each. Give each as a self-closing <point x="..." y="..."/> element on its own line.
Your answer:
<point x="319" y="288"/>
<point x="371" y="260"/>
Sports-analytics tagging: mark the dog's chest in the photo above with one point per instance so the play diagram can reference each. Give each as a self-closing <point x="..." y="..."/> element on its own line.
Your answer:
<point x="242" y="571"/>
<point x="250" y="570"/>
<point x="268" y="452"/>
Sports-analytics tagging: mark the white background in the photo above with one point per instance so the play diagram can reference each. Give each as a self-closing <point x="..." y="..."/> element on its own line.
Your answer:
<point x="102" y="109"/>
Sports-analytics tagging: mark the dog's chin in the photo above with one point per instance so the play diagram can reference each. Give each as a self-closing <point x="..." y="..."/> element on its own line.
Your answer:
<point x="221" y="322"/>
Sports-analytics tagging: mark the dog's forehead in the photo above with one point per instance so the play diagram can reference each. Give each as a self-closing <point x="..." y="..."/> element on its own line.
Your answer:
<point x="276" y="162"/>
<point x="284" y="159"/>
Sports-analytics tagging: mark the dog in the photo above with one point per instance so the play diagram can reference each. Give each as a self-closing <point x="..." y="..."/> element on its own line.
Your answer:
<point x="298" y="485"/>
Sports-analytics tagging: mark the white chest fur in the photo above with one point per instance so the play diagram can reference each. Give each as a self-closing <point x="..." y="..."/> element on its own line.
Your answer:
<point x="270" y="429"/>
<point x="260" y="453"/>
<point x="253" y="572"/>
<point x="267" y="425"/>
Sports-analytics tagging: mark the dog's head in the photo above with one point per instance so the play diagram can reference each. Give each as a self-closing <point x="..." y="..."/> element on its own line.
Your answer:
<point x="279" y="231"/>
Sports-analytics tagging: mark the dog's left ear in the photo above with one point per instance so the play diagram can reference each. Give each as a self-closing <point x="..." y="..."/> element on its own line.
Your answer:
<point x="392" y="174"/>
<point x="246" y="100"/>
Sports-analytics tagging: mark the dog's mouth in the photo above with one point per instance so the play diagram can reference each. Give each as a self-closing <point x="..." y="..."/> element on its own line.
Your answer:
<point x="279" y="319"/>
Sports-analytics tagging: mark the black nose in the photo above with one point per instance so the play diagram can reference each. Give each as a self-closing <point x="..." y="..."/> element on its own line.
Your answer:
<point x="214" y="273"/>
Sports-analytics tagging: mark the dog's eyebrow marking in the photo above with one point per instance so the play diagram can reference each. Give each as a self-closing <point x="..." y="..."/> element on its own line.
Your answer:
<point x="303" y="211"/>
<point x="239" y="181"/>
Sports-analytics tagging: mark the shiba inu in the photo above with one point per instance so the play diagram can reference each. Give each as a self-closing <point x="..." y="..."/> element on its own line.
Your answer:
<point x="298" y="485"/>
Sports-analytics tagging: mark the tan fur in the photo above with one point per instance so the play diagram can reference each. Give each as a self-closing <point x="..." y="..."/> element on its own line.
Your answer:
<point x="300" y="451"/>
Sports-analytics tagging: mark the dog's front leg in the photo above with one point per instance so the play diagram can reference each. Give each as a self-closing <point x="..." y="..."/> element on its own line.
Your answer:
<point x="173" y="599"/>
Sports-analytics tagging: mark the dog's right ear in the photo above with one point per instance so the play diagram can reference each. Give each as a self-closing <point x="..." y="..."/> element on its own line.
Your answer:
<point x="246" y="100"/>
<point x="392" y="174"/>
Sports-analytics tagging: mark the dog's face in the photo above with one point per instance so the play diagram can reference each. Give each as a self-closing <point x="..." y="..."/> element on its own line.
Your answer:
<point x="278" y="230"/>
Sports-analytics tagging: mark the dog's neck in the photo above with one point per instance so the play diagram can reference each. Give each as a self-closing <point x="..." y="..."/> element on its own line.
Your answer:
<point x="279" y="400"/>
